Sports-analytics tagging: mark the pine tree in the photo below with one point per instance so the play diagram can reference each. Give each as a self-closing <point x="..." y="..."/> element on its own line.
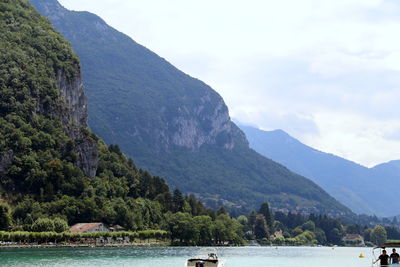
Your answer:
<point x="265" y="211"/>
<point x="177" y="201"/>
<point x="260" y="227"/>
<point x="252" y="221"/>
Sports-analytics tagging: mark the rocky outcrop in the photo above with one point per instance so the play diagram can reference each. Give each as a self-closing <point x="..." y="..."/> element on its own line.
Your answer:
<point x="198" y="127"/>
<point x="6" y="159"/>
<point x="75" y="99"/>
<point x="85" y="148"/>
<point x="74" y="116"/>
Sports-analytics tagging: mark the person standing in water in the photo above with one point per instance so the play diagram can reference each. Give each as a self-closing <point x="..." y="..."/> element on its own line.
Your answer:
<point x="394" y="257"/>
<point x="384" y="258"/>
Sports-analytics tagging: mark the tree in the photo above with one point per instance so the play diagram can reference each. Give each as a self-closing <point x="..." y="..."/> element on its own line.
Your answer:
<point x="43" y="225"/>
<point x="5" y="216"/>
<point x="308" y="225"/>
<point x="266" y="212"/>
<point x="177" y="201"/>
<point x="367" y="234"/>
<point x="221" y="210"/>
<point x="260" y="227"/>
<point x="227" y="230"/>
<point x="353" y="229"/>
<point x="378" y="235"/>
<point x="181" y="227"/>
<point x="392" y="232"/>
<point x="243" y="220"/>
<point x="252" y="221"/>
<point x="204" y="227"/>
<point x="320" y="235"/>
<point x="335" y="236"/>
<point x="60" y="225"/>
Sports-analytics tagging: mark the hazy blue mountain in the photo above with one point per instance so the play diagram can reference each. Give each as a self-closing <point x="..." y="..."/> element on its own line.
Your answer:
<point x="175" y="125"/>
<point x="352" y="184"/>
<point x="389" y="169"/>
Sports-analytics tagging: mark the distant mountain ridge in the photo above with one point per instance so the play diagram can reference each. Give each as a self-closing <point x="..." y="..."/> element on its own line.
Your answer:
<point x="354" y="185"/>
<point x="175" y="125"/>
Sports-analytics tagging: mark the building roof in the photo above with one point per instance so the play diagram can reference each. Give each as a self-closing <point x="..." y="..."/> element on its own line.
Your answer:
<point x="353" y="236"/>
<point x="117" y="227"/>
<point x="83" y="227"/>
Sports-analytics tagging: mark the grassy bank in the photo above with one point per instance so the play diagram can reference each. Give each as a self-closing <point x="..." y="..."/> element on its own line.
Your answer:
<point x="66" y="239"/>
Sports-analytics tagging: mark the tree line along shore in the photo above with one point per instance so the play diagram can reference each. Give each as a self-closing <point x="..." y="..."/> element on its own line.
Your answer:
<point x="217" y="228"/>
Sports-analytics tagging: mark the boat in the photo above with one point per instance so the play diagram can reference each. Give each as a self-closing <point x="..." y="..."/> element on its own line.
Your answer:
<point x="211" y="261"/>
<point x="388" y="246"/>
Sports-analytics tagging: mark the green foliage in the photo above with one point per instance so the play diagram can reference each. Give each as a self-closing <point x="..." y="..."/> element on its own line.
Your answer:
<point x="378" y="235"/>
<point x="265" y="211"/>
<point x="298" y="229"/>
<point x="243" y="220"/>
<point x="353" y="229"/>
<point x="44" y="237"/>
<point x="43" y="225"/>
<point x="260" y="227"/>
<point x="393" y="232"/>
<point x="203" y="230"/>
<point x="308" y="225"/>
<point x="5" y="216"/>
<point x="60" y="225"/>
<point x="306" y="237"/>
<point x="178" y="201"/>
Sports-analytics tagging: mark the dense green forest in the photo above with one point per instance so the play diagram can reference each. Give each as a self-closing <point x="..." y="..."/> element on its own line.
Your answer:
<point x="299" y="229"/>
<point x="42" y="187"/>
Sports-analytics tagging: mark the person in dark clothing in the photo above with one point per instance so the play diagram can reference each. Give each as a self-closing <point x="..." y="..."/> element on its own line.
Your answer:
<point x="394" y="257"/>
<point x="384" y="258"/>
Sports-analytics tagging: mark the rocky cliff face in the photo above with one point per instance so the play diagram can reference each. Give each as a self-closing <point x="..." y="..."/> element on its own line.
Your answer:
<point x="72" y="92"/>
<point x="75" y="117"/>
<point x="197" y="127"/>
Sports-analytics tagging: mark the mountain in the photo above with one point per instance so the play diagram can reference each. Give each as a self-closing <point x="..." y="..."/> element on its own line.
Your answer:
<point x="174" y="125"/>
<point x="389" y="169"/>
<point x="51" y="164"/>
<point x="352" y="184"/>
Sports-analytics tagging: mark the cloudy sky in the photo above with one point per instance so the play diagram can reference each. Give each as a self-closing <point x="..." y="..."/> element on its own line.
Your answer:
<point x="327" y="72"/>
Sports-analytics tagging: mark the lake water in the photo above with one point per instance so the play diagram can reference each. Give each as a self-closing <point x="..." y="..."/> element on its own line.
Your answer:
<point x="176" y="256"/>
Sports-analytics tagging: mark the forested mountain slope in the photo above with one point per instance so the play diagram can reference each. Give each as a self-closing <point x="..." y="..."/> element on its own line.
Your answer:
<point x="174" y="125"/>
<point x="51" y="164"/>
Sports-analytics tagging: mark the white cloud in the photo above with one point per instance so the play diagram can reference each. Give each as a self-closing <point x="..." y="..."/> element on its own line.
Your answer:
<point x="346" y="134"/>
<point x="325" y="71"/>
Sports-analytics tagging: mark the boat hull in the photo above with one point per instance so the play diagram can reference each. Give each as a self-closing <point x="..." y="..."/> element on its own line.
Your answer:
<point x="204" y="263"/>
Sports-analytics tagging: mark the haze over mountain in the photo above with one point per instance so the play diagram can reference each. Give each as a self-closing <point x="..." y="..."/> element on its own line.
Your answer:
<point x="364" y="190"/>
<point x="175" y="125"/>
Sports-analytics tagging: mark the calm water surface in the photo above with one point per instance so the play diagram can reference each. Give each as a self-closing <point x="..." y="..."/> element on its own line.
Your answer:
<point x="176" y="256"/>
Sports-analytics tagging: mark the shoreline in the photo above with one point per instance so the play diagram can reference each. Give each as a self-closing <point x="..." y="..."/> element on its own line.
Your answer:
<point x="165" y="244"/>
<point x="32" y="246"/>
